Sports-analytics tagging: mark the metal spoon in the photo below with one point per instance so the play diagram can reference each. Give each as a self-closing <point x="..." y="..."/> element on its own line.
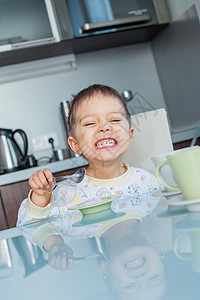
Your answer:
<point x="196" y="135"/>
<point x="91" y="255"/>
<point x="76" y="177"/>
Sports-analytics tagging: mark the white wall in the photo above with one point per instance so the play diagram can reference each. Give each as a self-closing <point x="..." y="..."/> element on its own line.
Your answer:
<point x="33" y="104"/>
<point x="178" y="7"/>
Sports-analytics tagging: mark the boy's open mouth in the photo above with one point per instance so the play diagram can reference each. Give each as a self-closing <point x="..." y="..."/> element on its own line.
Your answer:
<point x="134" y="264"/>
<point x="106" y="143"/>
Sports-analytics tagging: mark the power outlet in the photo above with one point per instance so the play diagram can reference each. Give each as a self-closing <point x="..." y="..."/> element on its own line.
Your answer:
<point x="42" y="142"/>
<point x="46" y="140"/>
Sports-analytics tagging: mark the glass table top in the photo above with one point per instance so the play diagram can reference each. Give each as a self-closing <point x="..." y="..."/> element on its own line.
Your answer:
<point x="108" y="256"/>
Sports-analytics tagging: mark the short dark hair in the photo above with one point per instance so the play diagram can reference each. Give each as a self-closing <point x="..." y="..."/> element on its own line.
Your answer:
<point x="88" y="93"/>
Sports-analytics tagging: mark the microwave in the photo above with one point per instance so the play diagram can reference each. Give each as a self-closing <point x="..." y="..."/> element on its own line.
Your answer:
<point x="90" y="17"/>
<point x="26" y="23"/>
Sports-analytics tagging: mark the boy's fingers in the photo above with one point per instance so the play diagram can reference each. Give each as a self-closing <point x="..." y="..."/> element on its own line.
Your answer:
<point x="32" y="184"/>
<point x="52" y="260"/>
<point x="70" y="263"/>
<point x="57" y="262"/>
<point x="42" y="176"/>
<point x="63" y="262"/>
<point x="35" y="182"/>
<point x="41" y="179"/>
<point x="48" y="175"/>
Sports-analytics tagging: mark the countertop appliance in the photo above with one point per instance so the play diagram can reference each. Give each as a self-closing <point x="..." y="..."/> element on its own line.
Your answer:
<point x="64" y="108"/>
<point x="102" y="16"/>
<point x="59" y="154"/>
<point x="11" y="156"/>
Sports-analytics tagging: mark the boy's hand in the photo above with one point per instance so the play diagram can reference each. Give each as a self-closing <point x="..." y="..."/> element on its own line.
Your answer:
<point x="61" y="257"/>
<point x="60" y="254"/>
<point x="42" y="184"/>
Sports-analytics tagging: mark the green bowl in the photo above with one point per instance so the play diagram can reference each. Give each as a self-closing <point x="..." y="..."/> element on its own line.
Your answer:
<point x="91" y="209"/>
<point x="98" y="217"/>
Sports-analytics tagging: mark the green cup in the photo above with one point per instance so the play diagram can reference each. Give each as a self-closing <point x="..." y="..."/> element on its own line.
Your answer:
<point x="194" y="240"/>
<point x="185" y="166"/>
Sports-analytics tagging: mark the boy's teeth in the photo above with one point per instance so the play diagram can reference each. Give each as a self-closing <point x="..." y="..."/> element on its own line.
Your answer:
<point x="105" y="143"/>
<point x="136" y="263"/>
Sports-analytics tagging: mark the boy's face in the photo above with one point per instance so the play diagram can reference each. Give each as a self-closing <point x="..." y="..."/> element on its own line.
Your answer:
<point x="136" y="272"/>
<point x="102" y="131"/>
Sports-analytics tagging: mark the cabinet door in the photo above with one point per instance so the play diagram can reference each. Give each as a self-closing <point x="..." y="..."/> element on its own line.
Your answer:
<point x="12" y="196"/>
<point x="185" y="144"/>
<point x="3" y="223"/>
<point x="25" y="23"/>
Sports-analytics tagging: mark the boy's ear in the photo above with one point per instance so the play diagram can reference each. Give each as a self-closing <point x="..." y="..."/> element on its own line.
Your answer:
<point x="104" y="269"/>
<point x="131" y="134"/>
<point x="74" y="145"/>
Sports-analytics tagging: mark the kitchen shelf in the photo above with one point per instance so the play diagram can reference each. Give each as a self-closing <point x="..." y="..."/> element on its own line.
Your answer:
<point x="58" y="166"/>
<point x="82" y="45"/>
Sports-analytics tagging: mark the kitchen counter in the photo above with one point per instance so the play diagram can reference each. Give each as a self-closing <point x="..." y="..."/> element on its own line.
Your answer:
<point x="67" y="164"/>
<point x="183" y="135"/>
<point x="72" y="163"/>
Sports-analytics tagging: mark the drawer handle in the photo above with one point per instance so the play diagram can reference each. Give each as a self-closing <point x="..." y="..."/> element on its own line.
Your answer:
<point x="117" y="23"/>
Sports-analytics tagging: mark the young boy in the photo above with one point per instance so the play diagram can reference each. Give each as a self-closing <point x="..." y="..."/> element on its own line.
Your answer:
<point x="100" y="130"/>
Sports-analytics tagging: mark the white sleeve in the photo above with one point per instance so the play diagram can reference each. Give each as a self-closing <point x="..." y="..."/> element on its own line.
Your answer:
<point x="28" y="211"/>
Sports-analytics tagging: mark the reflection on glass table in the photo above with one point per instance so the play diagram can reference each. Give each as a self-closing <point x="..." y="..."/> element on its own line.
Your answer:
<point x="128" y="257"/>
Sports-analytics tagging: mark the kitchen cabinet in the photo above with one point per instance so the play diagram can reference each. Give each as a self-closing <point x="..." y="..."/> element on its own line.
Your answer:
<point x="185" y="144"/>
<point x="11" y="197"/>
<point x="28" y="26"/>
<point x="3" y="223"/>
<point x="56" y="34"/>
<point x="81" y="45"/>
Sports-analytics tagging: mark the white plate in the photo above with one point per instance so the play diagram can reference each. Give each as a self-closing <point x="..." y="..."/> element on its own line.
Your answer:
<point x="192" y="205"/>
<point x="165" y="194"/>
<point x="172" y="211"/>
<point x="180" y="202"/>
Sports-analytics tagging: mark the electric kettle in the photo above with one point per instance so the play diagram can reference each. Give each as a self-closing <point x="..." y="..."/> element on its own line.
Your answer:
<point x="12" y="158"/>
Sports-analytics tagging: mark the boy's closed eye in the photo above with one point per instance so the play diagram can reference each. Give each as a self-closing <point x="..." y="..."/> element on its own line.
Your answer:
<point x="155" y="279"/>
<point x="115" y="120"/>
<point x="94" y="123"/>
<point x="89" y="124"/>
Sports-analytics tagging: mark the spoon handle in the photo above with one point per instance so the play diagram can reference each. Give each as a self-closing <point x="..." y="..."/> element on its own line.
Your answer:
<point x="59" y="178"/>
<point x="197" y="133"/>
<point x="78" y="174"/>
